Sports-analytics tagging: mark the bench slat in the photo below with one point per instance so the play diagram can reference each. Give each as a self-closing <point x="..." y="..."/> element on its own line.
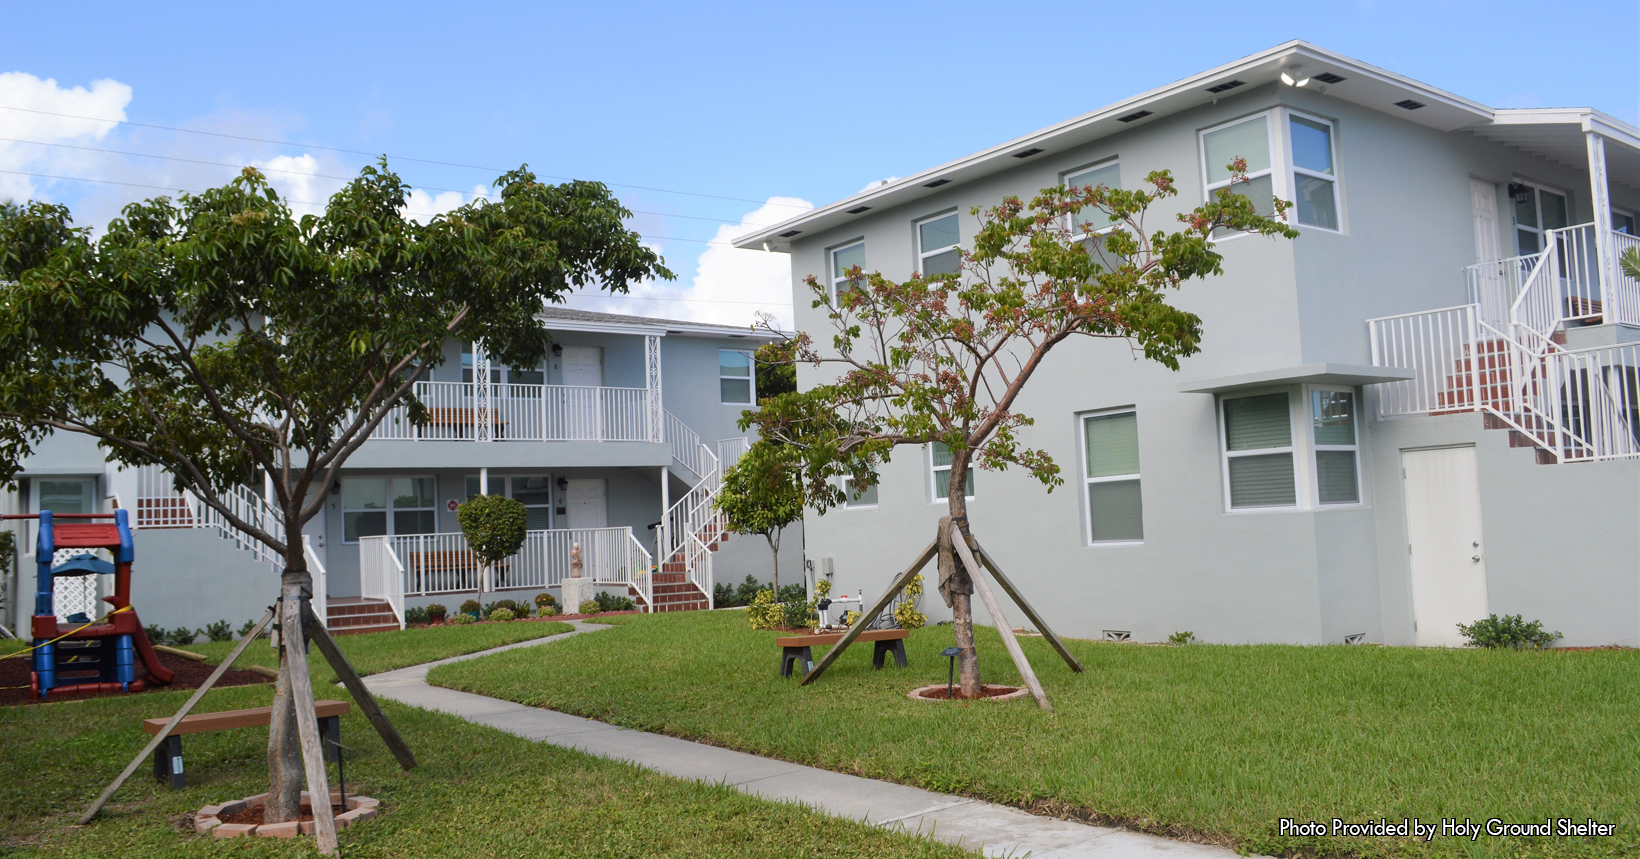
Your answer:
<point x="200" y="723"/>
<point x="834" y="637"/>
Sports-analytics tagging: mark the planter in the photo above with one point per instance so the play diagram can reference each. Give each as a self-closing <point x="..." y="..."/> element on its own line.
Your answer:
<point x="435" y="618"/>
<point x="244" y="817"/>
<point x="990" y="691"/>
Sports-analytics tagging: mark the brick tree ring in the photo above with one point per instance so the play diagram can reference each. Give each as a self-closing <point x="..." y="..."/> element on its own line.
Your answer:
<point x="990" y="693"/>
<point x="242" y="816"/>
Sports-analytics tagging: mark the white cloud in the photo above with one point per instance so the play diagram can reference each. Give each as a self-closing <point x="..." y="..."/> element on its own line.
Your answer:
<point x="423" y="205"/>
<point x="729" y="286"/>
<point x="872" y="186"/>
<point x="293" y="177"/>
<point x="105" y="98"/>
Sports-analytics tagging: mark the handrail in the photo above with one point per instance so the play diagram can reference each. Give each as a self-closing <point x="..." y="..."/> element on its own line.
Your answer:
<point x="321" y="582"/>
<point x="160" y="505"/>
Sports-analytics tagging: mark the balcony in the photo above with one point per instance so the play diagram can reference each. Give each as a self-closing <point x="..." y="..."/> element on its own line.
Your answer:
<point x="464" y="411"/>
<point x="1576" y="280"/>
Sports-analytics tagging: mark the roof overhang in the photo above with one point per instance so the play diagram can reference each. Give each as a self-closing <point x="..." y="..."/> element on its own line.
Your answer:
<point x="638" y="329"/>
<point x="1363" y="84"/>
<point x="1343" y="375"/>
<point x="1560" y="134"/>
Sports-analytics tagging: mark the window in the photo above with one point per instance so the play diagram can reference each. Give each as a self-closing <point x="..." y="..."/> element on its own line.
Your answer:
<point x="735" y="384"/>
<point x="373" y="506"/>
<point x="65" y="496"/>
<point x="501" y="375"/>
<point x="533" y="491"/>
<point x="1111" y="452"/>
<point x="1332" y="415"/>
<point x="865" y="498"/>
<point x="1536" y="209"/>
<point x="1622" y="222"/>
<point x="842" y="260"/>
<point x="1107" y="174"/>
<point x="1249" y="139"/>
<point x="937" y="246"/>
<point x="941" y="472"/>
<point x="1258" y="452"/>
<point x="1315" y="184"/>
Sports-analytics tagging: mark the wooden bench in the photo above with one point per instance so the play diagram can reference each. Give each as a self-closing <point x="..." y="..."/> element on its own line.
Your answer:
<point x="883" y="642"/>
<point x="168" y="757"/>
<point x="453" y="561"/>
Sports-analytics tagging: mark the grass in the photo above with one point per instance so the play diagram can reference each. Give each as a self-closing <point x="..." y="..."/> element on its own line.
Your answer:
<point x="477" y="792"/>
<point x="384" y="651"/>
<point x="1216" y="743"/>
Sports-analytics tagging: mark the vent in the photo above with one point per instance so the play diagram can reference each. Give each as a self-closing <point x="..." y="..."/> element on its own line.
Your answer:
<point x="858" y="209"/>
<point x="789" y="233"/>
<point x="1329" y="78"/>
<point x="1225" y="87"/>
<point x="936" y="183"/>
<point x="1409" y="104"/>
<point x="1133" y="116"/>
<point x="1357" y="638"/>
<point x="1028" y="153"/>
<point x="1117" y="635"/>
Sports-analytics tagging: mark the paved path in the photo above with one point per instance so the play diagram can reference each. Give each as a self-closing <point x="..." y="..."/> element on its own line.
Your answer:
<point x="998" y="830"/>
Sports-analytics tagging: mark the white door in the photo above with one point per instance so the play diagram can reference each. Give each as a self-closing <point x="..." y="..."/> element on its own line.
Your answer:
<point x="583" y="372"/>
<point x="583" y="365"/>
<point x="587" y="505"/>
<point x="1443" y="509"/>
<point x="1494" y="302"/>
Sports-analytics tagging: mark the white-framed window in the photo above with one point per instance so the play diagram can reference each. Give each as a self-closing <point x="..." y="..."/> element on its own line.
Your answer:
<point x="1247" y="138"/>
<point x="64" y="495"/>
<point x="1536" y="208"/>
<point x="1110" y="472"/>
<point x="1257" y="445"/>
<point x="534" y="491"/>
<point x="939" y="471"/>
<point x="855" y="500"/>
<point x="1623" y="222"/>
<point x="843" y="259"/>
<point x="500" y="375"/>
<point x="736" y="386"/>
<point x="1337" y="452"/>
<point x="1107" y="173"/>
<point x="373" y="506"/>
<point x="1315" y="177"/>
<point x="937" y="240"/>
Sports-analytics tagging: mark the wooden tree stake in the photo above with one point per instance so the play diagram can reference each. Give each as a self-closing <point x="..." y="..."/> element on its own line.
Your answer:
<point x="867" y="617"/>
<point x="189" y="705"/>
<point x="995" y="608"/>
<point x="307" y="726"/>
<point x="355" y="685"/>
<point x="1019" y="600"/>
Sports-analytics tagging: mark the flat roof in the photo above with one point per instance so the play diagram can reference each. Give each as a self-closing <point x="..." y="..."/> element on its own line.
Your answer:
<point x="1343" y="375"/>
<point x="570" y="319"/>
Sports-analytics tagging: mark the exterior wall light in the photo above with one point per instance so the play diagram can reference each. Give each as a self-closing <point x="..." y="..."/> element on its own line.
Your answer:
<point x="1294" y="75"/>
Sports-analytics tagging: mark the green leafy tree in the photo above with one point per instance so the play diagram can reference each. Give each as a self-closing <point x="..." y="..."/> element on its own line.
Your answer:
<point x="223" y="338"/>
<point x="776" y="367"/>
<point x="943" y="358"/>
<point x="494" y="526"/>
<point x="762" y="494"/>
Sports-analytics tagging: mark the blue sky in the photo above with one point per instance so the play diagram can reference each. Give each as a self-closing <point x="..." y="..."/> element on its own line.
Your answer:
<point x="794" y="103"/>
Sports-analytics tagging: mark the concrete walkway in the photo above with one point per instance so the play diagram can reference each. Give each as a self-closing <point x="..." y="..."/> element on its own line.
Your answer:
<point x="997" y="830"/>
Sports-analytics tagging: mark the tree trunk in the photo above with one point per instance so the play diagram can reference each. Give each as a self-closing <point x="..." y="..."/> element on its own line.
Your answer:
<point x="284" y="745"/>
<point x="774" y="549"/>
<point x="962" y="608"/>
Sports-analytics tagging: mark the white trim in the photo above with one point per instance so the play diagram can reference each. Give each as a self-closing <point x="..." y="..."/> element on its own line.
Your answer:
<point x="924" y="253"/>
<point x="833" y="280"/>
<point x="843" y="483"/>
<point x="390" y="509"/>
<point x="1316" y="448"/>
<point x="1082" y="419"/>
<point x="750" y="377"/>
<point x="933" y="482"/>
<point x="1295" y="449"/>
<point x="1293" y="170"/>
<point x="1090" y="167"/>
<point x="1277" y="171"/>
<point x="1537" y="203"/>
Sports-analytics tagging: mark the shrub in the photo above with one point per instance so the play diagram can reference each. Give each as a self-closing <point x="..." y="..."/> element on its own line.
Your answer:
<point x="436" y="612"/>
<point x="219" y="631"/>
<point x="156" y="633"/>
<point x="796" y="614"/>
<point x="607" y="602"/>
<point x="547" y="611"/>
<point x="723" y="596"/>
<point x="906" y="614"/>
<point x="1182" y="638"/>
<point x="764" y="612"/>
<point x="493" y="525"/>
<point x="502" y="614"/>
<point x="851" y="618"/>
<point x="470" y="607"/>
<point x="415" y="615"/>
<point x="543" y="600"/>
<point x="182" y="636"/>
<point x="463" y="617"/>
<point x="747" y="591"/>
<point x="517" y="608"/>
<point x="243" y="631"/>
<point x="590" y="607"/>
<point x="1508" y="631"/>
<point x="793" y="592"/>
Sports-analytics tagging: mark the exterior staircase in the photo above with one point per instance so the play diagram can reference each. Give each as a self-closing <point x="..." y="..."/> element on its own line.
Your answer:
<point x="351" y="615"/>
<point x="673" y="589"/>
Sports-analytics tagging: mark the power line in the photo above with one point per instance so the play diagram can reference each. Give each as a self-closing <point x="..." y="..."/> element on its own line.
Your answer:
<point x="314" y="175"/>
<point x="375" y="154"/>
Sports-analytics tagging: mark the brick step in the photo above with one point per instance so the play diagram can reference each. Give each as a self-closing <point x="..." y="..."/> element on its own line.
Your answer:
<point x="335" y="609"/>
<point x="351" y="620"/>
<point x="359" y="630"/>
<point x="696" y="605"/>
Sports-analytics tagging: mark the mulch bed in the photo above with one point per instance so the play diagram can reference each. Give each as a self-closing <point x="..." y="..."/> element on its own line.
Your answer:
<point x="254" y="814"/>
<point x="14" y="674"/>
<point x="985" y="691"/>
<point x="529" y="619"/>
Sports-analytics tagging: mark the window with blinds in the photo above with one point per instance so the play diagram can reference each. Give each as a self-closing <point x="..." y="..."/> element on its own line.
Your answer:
<point x="937" y="246"/>
<point x="1332" y="421"/>
<point x="1110" y="445"/>
<point x="1258" y="451"/>
<point x="941" y="472"/>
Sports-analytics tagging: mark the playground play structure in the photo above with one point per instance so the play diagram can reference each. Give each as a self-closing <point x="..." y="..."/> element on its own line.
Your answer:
<point x="79" y="654"/>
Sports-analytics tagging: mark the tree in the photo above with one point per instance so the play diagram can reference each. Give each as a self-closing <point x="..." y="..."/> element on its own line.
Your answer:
<point x="943" y="358"/>
<point x="494" y="526"/>
<point x="222" y="338"/>
<point x="776" y="367"/>
<point x="762" y="494"/>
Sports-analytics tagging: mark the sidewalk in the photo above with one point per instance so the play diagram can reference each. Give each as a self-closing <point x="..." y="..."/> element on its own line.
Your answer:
<point x="998" y="830"/>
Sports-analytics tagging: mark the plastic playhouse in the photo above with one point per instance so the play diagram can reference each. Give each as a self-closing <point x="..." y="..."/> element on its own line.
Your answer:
<point x="81" y="655"/>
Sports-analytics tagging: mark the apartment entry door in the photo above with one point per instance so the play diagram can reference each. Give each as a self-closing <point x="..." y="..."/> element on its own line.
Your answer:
<point x="1443" y="510"/>
<point x="588" y="506"/>
<point x="1493" y="289"/>
<point x="581" y="398"/>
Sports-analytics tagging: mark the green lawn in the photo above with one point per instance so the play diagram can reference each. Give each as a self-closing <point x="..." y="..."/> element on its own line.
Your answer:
<point x="376" y="652"/>
<point x="1217" y="741"/>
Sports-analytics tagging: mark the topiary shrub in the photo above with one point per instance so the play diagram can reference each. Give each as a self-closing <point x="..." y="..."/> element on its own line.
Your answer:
<point x="219" y="631"/>
<point x="471" y="608"/>
<point x="494" y="527"/>
<point x="502" y="614"/>
<point x="544" y="600"/>
<point x="463" y="618"/>
<point x="1509" y="631"/>
<point x="590" y="607"/>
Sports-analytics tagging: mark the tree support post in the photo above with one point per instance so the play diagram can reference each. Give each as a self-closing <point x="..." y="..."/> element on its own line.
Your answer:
<point x="995" y="608"/>
<point x="355" y="686"/>
<point x="186" y="707"/>
<point x="1019" y="600"/>
<point x="307" y="722"/>
<point x="869" y="616"/>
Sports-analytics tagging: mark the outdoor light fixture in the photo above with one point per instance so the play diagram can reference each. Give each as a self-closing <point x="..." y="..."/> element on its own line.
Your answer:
<point x="951" y="678"/>
<point x="563" y="483"/>
<point x="1294" y="75"/>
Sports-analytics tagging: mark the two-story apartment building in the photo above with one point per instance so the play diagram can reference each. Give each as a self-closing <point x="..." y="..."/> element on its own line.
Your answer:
<point x="1421" y="411"/>
<point x="616" y="442"/>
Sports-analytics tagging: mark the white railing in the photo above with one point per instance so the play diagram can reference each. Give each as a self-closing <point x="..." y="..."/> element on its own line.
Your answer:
<point x="321" y="582"/>
<point x="687" y="448"/>
<point x="522" y="413"/>
<point x="444" y="564"/>
<point x="1541" y="292"/>
<point x="1435" y="345"/>
<point x="161" y="505"/>
<point x="1624" y="296"/>
<point x="730" y="450"/>
<point x="1494" y="286"/>
<point x="381" y="574"/>
<point x="693" y="525"/>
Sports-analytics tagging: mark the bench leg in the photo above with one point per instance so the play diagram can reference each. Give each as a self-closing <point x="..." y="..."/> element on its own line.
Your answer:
<point x="790" y="655"/>
<point x="330" y="733"/>
<point x="899" y="653"/>
<point x="878" y="650"/>
<point x="881" y="649"/>
<point x="168" y="762"/>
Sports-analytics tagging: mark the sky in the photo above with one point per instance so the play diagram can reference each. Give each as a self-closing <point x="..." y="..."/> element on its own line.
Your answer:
<point x="706" y="119"/>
